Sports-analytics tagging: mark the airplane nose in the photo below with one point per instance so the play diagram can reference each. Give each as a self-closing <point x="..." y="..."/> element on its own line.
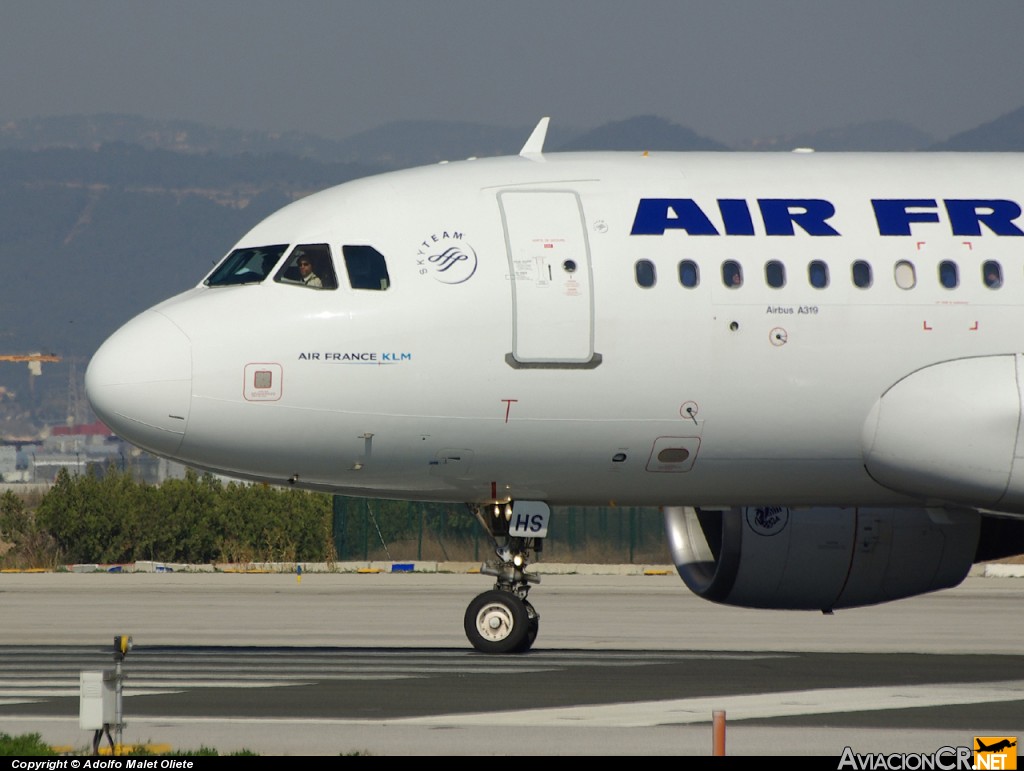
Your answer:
<point x="139" y="383"/>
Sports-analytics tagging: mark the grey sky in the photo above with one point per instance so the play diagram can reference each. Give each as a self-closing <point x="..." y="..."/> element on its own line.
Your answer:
<point x="730" y="69"/>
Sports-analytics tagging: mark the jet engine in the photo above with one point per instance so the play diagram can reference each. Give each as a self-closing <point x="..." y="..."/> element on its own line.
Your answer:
<point x="826" y="558"/>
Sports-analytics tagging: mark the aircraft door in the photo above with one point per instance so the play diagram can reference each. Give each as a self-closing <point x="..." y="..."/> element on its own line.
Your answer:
<point x="550" y="277"/>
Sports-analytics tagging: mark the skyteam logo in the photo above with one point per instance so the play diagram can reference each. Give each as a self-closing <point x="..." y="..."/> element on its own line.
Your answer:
<point x="446" y="257"/>
<point x="767" y="520"/>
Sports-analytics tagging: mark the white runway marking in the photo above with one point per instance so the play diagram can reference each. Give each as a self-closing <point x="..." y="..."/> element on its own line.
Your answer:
<point x="660" y="713"/>
<point x="744" y="707"/>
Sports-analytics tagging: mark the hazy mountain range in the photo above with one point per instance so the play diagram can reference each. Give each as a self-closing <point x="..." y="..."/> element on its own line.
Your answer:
<point x="101" y="216"/>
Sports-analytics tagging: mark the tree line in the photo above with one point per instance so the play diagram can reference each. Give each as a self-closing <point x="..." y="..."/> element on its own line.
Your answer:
<point x="105" y="516"/>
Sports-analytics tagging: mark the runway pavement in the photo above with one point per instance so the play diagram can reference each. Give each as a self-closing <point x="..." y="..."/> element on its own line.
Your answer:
<point x="623" y="665"/>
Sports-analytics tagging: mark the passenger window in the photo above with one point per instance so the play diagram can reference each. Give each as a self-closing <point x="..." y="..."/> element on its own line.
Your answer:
<point x="309" y="265"/>
<point x="948" y="275"/>
<point x="689" y="274"/>
<point x="775" y="274"/>
<point x="645" y="275"/>
<point x="992" y="272"/>
<point x="367" y="268"/>
<point x="905" y="275"/>
<point x="817" y="274"/>
<point x="861" y="271"/>
<point x="246" y="266"/>
<point x="732" y="274"/>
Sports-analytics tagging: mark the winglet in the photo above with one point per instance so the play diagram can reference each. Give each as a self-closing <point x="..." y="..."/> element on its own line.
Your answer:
<point x="535" y="144"/>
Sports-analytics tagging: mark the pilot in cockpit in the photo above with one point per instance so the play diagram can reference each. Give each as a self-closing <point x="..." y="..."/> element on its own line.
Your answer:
<point x="309" y="278"/>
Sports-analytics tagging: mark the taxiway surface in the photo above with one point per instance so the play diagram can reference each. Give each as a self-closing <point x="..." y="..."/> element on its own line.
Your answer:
<point x="378" y="663"/>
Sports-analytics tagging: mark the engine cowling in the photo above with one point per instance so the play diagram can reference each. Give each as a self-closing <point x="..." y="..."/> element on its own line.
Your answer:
<point x="821" y="558"/>
<point x="952" y="432"/>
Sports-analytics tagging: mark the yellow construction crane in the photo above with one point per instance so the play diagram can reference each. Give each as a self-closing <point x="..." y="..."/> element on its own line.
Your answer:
<point x="35" y="365"/>
<point x="35" y="360"/>
<point x="29" y="357"/>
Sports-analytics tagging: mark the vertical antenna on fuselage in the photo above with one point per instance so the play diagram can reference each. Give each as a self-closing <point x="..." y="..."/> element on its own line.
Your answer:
<point x="535" y="144"/>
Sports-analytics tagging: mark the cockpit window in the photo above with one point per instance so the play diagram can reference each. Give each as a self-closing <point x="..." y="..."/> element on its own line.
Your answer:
<point x="309" y="265"/>
<point x="246" y="266"/>
<point x="367" y="268"/>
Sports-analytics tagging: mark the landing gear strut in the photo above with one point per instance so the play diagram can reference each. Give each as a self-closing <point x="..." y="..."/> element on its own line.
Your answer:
<point x="502" y="620"/>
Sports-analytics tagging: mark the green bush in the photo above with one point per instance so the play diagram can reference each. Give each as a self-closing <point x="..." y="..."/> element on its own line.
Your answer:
<point x="110" y="518"/>
<point x="24" y="744"/>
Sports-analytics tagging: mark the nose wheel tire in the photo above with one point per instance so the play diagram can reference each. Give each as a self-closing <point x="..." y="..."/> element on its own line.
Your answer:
<point x="531" y="632"/>
<point x="499" y="622"/>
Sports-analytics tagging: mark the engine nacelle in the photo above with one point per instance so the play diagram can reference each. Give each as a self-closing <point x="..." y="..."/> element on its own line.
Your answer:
<point x="952" y="432"/>
<point x="821" y="558"/>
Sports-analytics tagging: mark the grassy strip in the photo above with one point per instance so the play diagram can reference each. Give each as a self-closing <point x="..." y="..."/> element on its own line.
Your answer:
<point x="33" y="745"/>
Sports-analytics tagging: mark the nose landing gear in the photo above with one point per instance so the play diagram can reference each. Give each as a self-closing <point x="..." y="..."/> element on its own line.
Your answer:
<point x="502" y="620"/>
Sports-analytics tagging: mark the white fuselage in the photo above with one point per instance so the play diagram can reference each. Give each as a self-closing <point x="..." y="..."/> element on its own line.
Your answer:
<point x="526" y="361"/>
